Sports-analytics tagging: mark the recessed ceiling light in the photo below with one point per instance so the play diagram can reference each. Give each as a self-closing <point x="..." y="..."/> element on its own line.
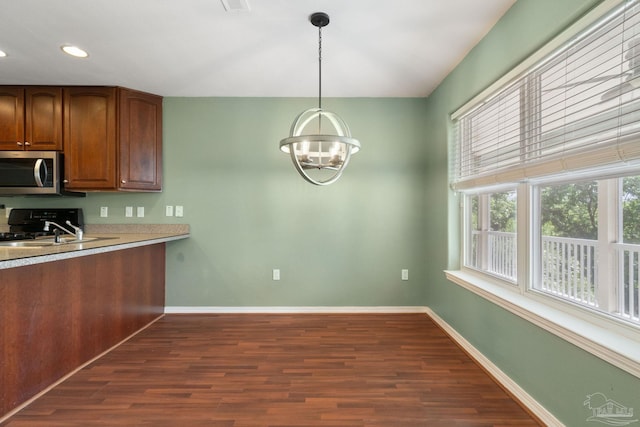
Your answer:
<point x="74" y="51"/>
<point x="2" y="54"/>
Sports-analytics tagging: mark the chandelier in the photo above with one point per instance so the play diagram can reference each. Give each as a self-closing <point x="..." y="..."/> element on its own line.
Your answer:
<point x="320" y="142"/>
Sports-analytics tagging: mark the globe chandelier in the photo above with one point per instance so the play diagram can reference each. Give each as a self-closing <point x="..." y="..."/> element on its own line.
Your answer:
<point x="320" y="142"/>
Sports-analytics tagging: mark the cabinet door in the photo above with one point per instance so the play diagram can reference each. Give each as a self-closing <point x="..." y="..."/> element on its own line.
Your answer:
<point x="11" y="118"/>
<point x="43" y="125"/>
<point x="90" y="138"/>
<point x="140" y="143"/>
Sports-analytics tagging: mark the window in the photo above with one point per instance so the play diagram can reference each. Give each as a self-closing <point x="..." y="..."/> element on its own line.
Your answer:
<point x="580" y="260"/>
<point x="548" y="165"/>
<point x="568" y="250"/>
<point x="629" y="250"/>
<point x="577" y="108"/>
<point x="491" y="244"/>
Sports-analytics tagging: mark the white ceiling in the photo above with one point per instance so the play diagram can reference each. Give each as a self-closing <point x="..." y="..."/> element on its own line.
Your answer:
<point x="371" y="48"/>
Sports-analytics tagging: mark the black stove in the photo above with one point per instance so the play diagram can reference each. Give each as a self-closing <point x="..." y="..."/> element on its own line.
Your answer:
<point x="29" y="223"/>
<point x="16" y="236"/>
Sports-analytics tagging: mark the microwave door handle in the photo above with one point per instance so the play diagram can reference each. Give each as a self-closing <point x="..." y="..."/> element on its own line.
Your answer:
<point x="36" y="171"/>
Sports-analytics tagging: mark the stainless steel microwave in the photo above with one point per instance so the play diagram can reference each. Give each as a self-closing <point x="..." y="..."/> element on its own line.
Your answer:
<point x="31" y="173"/>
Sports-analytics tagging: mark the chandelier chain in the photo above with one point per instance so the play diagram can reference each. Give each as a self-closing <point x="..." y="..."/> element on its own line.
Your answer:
<point x="320" y="67"/>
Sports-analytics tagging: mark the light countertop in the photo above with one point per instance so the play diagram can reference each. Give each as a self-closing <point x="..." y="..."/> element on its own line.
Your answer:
<point x="107" y="238"/>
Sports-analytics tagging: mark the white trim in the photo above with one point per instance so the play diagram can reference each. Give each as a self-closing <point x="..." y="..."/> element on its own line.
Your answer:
<point x="292" y="310"/>
<point x="593" y="15"/>
<point x="503" y="379"/>
<point x="604" y="339"/>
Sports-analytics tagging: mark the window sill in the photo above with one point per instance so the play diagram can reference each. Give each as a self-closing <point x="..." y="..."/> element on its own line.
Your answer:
<point x="604" y="339"/>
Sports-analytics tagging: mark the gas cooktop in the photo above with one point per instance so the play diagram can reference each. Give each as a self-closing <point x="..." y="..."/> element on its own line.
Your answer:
<point x="29" y="223"/>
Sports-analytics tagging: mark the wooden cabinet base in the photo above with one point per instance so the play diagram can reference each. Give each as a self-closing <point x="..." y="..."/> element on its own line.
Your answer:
<point x="56" y="316"/>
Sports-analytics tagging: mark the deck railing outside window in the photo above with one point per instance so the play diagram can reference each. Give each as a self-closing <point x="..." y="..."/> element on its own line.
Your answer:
<point x="497" y="256"/>
<point x="502" y="255"/>
<point x="569" y="268"/>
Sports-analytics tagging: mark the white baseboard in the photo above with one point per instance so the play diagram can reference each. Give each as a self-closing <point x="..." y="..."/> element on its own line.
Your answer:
<point x="503" y="379"/>
<point x="292" y="310"/>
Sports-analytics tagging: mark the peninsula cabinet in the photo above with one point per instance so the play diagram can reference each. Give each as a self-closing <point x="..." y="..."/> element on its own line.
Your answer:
<point x="31" y="118"/>
<point x="56" y="316"/>
<point x="113" y="139"/>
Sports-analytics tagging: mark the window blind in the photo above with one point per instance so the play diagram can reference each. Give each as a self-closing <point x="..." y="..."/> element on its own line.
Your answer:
<point x="576" y="108"/>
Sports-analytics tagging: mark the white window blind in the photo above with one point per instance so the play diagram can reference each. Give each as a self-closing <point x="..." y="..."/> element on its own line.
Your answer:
<point x="577" y="108"/>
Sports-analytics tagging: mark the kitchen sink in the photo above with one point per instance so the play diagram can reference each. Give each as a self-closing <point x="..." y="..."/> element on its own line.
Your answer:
<point x="49" y="241"/>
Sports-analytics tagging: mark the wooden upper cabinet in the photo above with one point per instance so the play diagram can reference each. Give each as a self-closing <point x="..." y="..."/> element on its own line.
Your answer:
<point x="11" y="118"/>
<point x="140" y="141"/>
<point x="90" y="138"/>
<point x="113" y="139"/>
<point x="31" y="118"/>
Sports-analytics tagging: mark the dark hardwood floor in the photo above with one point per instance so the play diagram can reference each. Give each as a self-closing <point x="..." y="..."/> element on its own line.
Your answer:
<point x="280" y="370"/>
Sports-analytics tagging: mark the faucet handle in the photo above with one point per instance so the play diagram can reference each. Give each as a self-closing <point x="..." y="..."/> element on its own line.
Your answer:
<point x="78" y="230"/>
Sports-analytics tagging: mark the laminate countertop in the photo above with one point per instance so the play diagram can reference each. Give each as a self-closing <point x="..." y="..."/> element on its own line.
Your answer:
<point x="100" y="238"/>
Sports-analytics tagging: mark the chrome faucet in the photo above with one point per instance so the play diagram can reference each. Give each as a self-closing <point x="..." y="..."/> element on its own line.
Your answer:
<point x="78" y="231"/>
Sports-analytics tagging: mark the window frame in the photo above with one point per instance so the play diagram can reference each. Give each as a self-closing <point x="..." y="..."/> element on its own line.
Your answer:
<point x="606" y="336"/>
<point x="603" y="334"/>
<point x="484" y="201"/>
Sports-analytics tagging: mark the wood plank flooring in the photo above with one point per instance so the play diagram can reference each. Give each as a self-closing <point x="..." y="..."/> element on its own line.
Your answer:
<point x="271" y="370"/>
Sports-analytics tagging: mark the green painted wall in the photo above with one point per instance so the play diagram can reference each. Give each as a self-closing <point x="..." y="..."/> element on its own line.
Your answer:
<point x="345" y="245"/>
<point x="250" y="212"/>
<point x="556" y="373"/>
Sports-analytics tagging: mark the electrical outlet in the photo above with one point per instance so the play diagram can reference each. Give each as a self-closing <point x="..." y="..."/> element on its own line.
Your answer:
<point x="168" y="210"/>
<point x="405" y="274"/>
<point x="276" y="274"/>
<point x="104" y="211"/>
<point x="140" y="212"/>
<point x="128" y="211"/>
<point x="179" y="211"/>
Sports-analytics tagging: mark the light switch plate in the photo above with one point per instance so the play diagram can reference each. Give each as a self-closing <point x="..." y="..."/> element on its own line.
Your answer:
<point x="179" y="211"/>
<point x="128" y="211"/>
<point x="140" y="212"/>
<point x="405" y="274"/>
<point x="104" y="211"/>
<point x="168" y="210"/>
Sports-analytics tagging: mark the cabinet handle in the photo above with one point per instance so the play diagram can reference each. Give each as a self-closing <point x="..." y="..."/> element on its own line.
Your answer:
<point x="19" y="144"/>
<point x="123" y="181"/>
<point x="27" y="143"/>
<point x="66" y="181"/>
